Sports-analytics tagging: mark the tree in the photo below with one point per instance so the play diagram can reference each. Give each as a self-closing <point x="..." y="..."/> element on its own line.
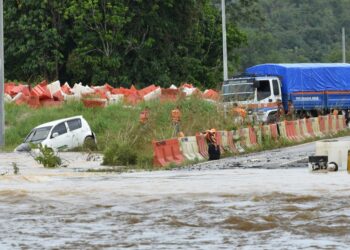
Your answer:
<point x="34" y="39"/>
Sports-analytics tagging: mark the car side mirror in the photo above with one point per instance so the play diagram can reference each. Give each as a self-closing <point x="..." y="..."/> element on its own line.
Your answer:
<point x="54" y="135"/>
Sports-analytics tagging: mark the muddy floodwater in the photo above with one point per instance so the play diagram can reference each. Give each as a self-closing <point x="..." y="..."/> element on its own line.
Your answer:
<point x="237" y="208"/>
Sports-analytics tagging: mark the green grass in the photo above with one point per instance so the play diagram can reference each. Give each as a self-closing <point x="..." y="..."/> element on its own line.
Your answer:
<point x="118" y="123"/>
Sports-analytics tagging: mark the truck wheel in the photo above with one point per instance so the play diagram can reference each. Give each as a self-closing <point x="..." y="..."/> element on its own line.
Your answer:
<point x="89" y="143"/>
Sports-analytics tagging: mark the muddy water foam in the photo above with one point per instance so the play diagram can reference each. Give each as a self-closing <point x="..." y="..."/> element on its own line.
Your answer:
<point x="240" y="208"/>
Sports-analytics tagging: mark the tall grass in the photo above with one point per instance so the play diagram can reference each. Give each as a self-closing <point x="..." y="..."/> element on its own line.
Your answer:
<point x="119" y="123"/>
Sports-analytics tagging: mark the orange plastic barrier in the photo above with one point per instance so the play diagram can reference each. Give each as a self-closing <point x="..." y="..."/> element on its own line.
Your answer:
<point x="211" y="94"/>
<point x="303" y="128"/>
<point x="166" y="152"/>
<point x="169" y="94"/>
<point x="58" y="96"/>
<point x="8" y="87"/>
<point x="33" y="102"/>
<point x="252" y="136"/>
<point x="66" y="89"/>
<point x="274" y="131"/>
<point x="41" y="90"/>
<point x="147" y="90"/>
<point x="291" y="132"/>
<point x="298" y="131"/>
<point x="50" y="103"/>
<point x="230" y="142"/>
<point x="20" y="89"/>
<point x="94" y="103"/>
<point x="219" y="141"/>
<point x="20" y="99"/>
<point x="309" y="127"/>
<point x="133" y="99"/>
<point x="322" y="125"/>
<point x="202" y="145"/>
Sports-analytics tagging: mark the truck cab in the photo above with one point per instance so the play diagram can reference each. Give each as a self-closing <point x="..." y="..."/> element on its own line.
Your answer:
<point x="260" y="95"/>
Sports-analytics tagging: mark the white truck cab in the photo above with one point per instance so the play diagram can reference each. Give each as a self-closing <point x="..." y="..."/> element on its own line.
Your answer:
<point x="258" y="94"/>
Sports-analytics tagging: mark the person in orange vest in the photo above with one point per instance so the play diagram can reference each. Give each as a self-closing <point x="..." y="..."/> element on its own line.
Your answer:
<point x="144" y="116"/>
<point x="213" y="147"/>
<point x="239" y="114"/>
<point x="176" y="119"/>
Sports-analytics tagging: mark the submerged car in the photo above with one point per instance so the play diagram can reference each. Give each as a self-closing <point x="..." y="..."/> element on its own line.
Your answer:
<point x="60" y="135"/>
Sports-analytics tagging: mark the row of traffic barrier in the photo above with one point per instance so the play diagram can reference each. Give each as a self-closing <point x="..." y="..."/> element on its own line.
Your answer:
<point x="195" y="148"/>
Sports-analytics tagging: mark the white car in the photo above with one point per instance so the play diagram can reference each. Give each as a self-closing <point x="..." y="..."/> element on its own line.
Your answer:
<point x="63" y="134"/>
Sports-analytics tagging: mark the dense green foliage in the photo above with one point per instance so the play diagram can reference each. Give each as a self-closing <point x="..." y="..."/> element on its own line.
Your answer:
<point x="120" y="42"/>
<point x="291" y="31"/>
<point x="164" y="41"/>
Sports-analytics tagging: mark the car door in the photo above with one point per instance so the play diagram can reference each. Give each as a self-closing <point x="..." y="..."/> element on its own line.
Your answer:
<point x="60" y="138"/>
<point x="75" y="128"/>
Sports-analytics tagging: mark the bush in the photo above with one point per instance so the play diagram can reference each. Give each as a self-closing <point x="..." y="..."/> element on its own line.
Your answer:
<point x="47" y="157"/>
<point x="119" y="154"/>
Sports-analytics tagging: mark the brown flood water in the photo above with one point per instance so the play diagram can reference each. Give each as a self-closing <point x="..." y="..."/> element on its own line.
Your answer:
<point x="221" y="209"/>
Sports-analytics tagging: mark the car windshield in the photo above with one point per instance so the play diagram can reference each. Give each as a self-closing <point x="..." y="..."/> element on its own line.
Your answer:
<point x="238" y="91"/>
<point x="38" y="135"/>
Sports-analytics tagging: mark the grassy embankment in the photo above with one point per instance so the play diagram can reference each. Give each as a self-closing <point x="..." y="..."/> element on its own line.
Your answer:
<point x="120" y="136"/>
<point x="117" y="126"/>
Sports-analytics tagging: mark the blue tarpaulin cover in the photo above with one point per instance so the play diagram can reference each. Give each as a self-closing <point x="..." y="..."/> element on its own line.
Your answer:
<point x="307" y="76"/>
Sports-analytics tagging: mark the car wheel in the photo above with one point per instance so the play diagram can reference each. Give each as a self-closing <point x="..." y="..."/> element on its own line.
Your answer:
<point x="89" y="143"/>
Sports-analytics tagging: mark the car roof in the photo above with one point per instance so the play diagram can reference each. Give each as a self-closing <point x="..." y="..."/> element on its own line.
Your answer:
<point x="53" y="123"/>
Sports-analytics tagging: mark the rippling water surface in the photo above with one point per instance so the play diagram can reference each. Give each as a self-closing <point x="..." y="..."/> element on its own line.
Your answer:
<point x="227" y="209"/>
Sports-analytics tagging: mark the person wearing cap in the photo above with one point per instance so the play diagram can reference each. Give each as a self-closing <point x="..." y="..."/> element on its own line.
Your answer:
<point x="176" y="118"/>
<point x="213" y="147"/>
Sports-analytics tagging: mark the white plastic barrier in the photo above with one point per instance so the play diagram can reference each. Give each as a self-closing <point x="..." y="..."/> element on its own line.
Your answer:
<point x="237" y="141"/>
<point x="245" y="138"/>
<point x="153" y="95"/>
<point x="113" y="99"/>
<point x="335" y="128"/>
<point x="298" y="131"/>
<point x="54" y="87"/>
<point x="303" y="128"/>
<point x="337" y="152"/>
<point x="190" y="149"/>
<point x="282" y="130"/>
<point x="7" y="98"/>
<point x="258" y="132"/>
<point x="316" y="126"/>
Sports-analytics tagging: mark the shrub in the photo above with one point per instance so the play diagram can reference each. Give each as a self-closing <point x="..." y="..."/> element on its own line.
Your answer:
<point x="47" y="157"/>
<point x="119" y="154"/>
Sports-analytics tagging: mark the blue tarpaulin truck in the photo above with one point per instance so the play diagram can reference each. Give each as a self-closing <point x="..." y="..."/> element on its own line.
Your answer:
<point x="306" y="88"/>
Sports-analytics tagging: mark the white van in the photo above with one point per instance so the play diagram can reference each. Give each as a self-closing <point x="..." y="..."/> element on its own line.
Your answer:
<point x="63" y="134"/>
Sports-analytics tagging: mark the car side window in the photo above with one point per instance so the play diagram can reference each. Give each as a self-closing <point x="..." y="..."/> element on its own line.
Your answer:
<point x="60" y="129"/>
<point x="74" y="124"/>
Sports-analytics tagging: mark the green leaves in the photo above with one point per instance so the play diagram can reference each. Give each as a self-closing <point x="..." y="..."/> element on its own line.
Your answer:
<point x="96" y="41"/>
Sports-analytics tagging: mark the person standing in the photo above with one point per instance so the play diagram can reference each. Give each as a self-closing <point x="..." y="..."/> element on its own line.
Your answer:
<point x="176" y="119"/>
<point x="213" y="147"/>
<point x="144" y="116"/>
